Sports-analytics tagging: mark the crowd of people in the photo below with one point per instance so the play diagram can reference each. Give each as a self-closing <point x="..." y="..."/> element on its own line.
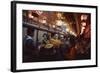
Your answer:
<point x="54" y="47"/>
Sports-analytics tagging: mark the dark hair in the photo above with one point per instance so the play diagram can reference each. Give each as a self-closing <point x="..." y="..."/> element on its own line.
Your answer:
<point x="44" y="34"/>
<point x="47" y="36"/>
<point x="30" y="31"/>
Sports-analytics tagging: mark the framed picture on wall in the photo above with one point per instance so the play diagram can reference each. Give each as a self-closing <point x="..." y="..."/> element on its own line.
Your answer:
<point x="47" y="36"/>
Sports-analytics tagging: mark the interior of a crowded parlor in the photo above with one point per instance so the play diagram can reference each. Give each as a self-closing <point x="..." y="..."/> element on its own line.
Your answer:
<point x="56" y="36"/>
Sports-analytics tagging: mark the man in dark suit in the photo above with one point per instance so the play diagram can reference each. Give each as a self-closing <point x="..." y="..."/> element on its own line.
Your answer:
<point x="29" y="49"/>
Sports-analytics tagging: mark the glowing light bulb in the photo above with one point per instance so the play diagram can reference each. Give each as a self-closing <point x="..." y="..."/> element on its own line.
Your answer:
<point x="30" y="15"/>
<point x="59" y="23"/>
<point x="83" y="24"/>
<point x="84" y="17"/>
<point x="53" y="26"/>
